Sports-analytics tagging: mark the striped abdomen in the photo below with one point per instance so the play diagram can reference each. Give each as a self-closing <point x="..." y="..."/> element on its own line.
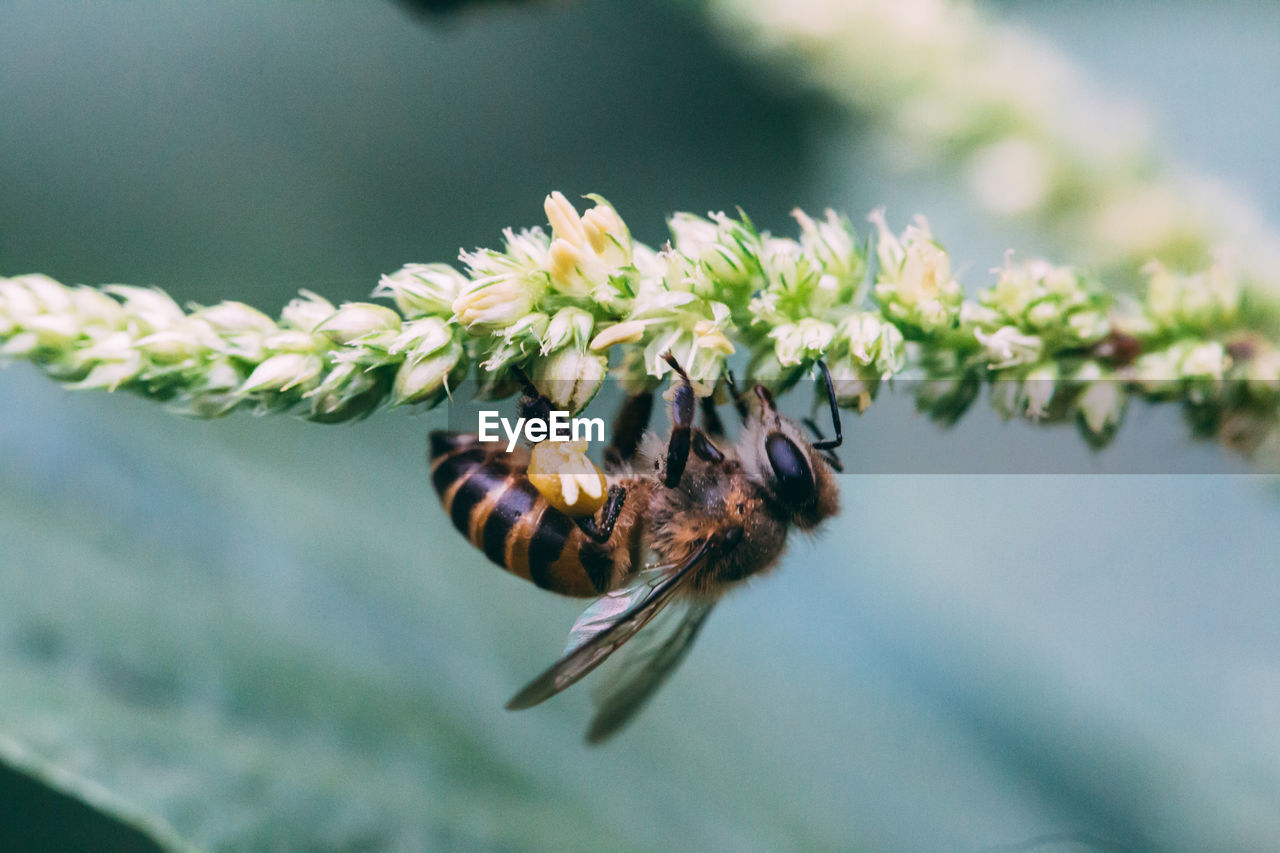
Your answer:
<point x="491" y="501"/>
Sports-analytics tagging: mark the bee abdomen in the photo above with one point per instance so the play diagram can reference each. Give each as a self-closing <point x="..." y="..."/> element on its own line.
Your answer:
<point x="491" y="502"/>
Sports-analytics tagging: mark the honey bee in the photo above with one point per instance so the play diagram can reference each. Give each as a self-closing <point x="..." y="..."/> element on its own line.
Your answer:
<point x="711" y="514"/>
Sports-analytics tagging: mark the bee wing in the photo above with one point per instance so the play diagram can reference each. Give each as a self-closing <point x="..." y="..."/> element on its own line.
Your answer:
<point x="606" y="625"/>
<point x="622" y="697"/>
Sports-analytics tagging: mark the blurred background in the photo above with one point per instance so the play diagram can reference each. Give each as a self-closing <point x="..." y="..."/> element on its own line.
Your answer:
<point x="264" y="633"/>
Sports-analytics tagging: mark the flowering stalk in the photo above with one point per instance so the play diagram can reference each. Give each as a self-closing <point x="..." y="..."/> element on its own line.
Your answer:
<point x="559" y="304"/>
<point x="1009" y="113"/>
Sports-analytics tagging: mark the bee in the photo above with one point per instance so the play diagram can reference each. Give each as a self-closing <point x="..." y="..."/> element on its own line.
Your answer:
<point x="712" y="514"/>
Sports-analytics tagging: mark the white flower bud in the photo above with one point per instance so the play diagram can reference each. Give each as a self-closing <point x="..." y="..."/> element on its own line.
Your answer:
<point x="626" y="332"/>
<point x="1043" y="314"/>
<point x="569" y="325"/>
<point x="1158" y="371"/>
<point x="19" y="302"/>
<point x="50" y="297"/>
<point x="1040" y="382"/>
<point x="915" y="282"/>
<point x="282" y="372"/>
<point x="973" y="314"/>
<point x="420" y="338"/>
<point x="862" y="332"/>
<point x="526" y="249"/>
<point x="831" y="243"/>
<point x="427" y="379"/>
<point x="494" y="301"/>
<point x="571" y="378"/>
<point x="421" y="289"/>
<point x="180" y="341"/>
<point x="708" y="335"/>
<point x="1264" y="369"/>
<point x="54" y="331"/>
<point x="575" y="270"/>
<point x="97" y="309"/>
<point x="889" y="251"/>
<point x="20" y="345"/>
<point x="691" y="233"/>
<point x="1088" y="326"/>
<point x="1007" y="347"/>
<point x="355" y="321"/>
<point x="306" y="311"/>
<point x="794" y="342"/>
<point x="148" y="309"/>
<point x="607" y="234"/>
<point x="1101" y="405"/>
<point x="1206" y="361"/>
<point x="291" y="340"/>
<point x="111" y="374"/>
<point x="233" y="317"/>
<point x="564" y="219"/>
<point x="348" y="391"/>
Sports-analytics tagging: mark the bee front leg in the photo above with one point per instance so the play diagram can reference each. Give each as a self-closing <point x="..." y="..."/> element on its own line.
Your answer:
<point x="711" y="422"/>
<point x="534" y="405"/>
<point x="600" y="532"/>
<point x="628" y="426"/>
<point x="681" y="425"/>
<point x="738" y="402"/>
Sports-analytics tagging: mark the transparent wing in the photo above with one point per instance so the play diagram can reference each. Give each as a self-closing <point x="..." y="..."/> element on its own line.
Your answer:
<point x="621" y="697"/>
<point x="606" y="625"/>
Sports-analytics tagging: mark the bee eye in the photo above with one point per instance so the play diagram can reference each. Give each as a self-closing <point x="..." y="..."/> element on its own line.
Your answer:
<point x="795" y="482"/>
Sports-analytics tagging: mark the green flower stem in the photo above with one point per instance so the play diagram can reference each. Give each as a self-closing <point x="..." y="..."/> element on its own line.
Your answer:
<point x="1021" y="127"/>
<point x="1053" y="341"/>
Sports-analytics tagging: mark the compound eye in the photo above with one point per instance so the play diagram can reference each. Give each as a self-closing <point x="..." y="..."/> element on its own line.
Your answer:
<point x="795" y="483"/>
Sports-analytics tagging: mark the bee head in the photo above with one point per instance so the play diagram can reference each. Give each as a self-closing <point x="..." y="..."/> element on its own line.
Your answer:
<point x="778" y="457"/>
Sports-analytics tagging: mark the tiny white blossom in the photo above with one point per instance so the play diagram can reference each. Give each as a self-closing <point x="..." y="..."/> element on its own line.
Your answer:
<point x="795" y="342"/>
<point x="1205" y="361"/>
<point x="282" y="372"/>
<point x="494" y="301"/>
<point x="232" y="317"/>
<point x="1101" y="405"/>
<point x="1007" y="347"/>
<point x="51" y="296"/>
<point x="420" y="289"/>
<point x="568" y="325"/>
<point x="355" y="321"/>
<point x="421" y="381"/>
<point x="148" y="309"/>
<point x="831" y="243"/>
<point x="628" y="331"/>
<point x="306" y="311"/>
<point x="180" y="341"/>
<point x="420" y="338"/>
<point x="1040" y="383"/>
<point x="571" y="378"/>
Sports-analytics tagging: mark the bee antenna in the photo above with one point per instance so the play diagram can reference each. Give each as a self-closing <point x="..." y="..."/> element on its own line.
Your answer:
<point x="829" y="456"/>
<point x="830" y="444"/>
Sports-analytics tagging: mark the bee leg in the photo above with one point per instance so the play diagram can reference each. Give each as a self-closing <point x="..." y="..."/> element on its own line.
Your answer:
<point x="628" y="426"/>
<point x="711" y="421"/>
<point x="739" y="402"/>
<point x="704" y="449"/>
<point x="681" y="425"/>
<point x="600" y="532"/>
<point x="534" y="405"/>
